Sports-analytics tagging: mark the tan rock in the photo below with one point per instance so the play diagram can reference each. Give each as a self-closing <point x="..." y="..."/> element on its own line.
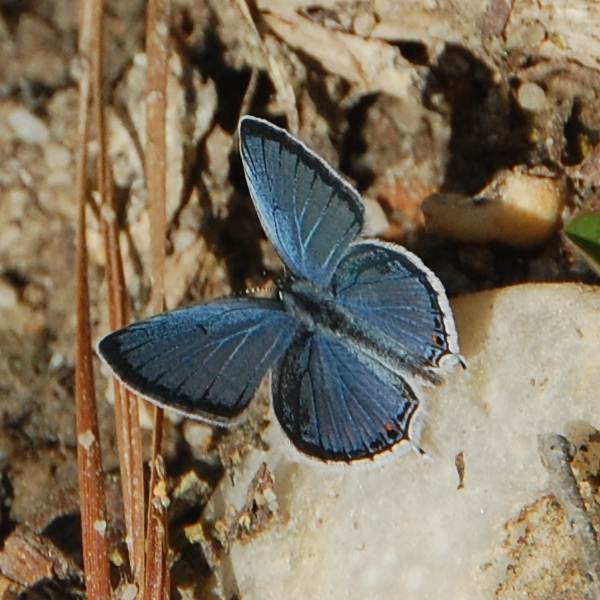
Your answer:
<point x="517" y="209"/>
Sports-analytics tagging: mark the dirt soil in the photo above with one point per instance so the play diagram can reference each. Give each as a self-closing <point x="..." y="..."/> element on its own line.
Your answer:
<point x="404" y="101"/>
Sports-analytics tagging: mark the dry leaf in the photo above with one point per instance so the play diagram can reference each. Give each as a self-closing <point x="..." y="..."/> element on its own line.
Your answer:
<point x="373" y="65"/>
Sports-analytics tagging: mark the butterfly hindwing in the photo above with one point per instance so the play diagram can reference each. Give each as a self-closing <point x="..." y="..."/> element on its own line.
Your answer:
<point x="309" y="213"/>
<point x="206" y="360"/>
<point x="387" y="287"/>
<point x="337" y="405"/>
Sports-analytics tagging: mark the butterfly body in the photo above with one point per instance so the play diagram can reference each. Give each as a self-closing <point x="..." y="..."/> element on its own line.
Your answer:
<point x="311" y="305"/>
<point x="318" y="310"/>
<point x="358" y="323"/>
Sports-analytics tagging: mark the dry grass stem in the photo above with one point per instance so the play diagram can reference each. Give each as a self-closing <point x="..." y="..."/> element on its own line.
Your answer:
<point x="127" y="420"/>
<point x="91" y="485"/>
<point x="157" y="50"/>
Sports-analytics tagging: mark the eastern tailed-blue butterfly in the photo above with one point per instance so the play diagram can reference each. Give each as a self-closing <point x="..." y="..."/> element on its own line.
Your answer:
<point x="356" y="324"/>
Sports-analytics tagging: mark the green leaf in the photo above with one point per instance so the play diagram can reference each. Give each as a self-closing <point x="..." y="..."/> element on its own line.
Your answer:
<point x="584" y="232"/>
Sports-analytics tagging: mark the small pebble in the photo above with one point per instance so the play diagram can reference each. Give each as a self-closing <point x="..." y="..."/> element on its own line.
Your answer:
<point x="196" y="434"/>
<point x="532" y="97"/>
<point x="363" y="24"/>
<point x="183" y="239"/>
<point x="8" y="295"/>
<point x="14" y="203"/>
<point x="516" y="209"/>
<point x="34" y="295"/>
<point x="56" y="156"/>
<point x="27" y="127"/>
<point x="527" y="35"/>
<point x="129" y="592"/>
<point x="376" y="221"/>
<point x="11" y="235"/>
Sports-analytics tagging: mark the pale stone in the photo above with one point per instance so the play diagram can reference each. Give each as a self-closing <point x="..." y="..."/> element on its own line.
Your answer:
<point x="517" y="209"/>
<point x="8" y="295"/>
<point x="532" y="97"/>
<point x="28" y="127"/>
<point x="376" y="221"/>
<point x="182" y="239"/>
<point x="56" y="156"/>
<point x="402" y="529"/>
<point x="15" y="202"/>
<point x="363" y="23"/>
<point x="197" y="434"/>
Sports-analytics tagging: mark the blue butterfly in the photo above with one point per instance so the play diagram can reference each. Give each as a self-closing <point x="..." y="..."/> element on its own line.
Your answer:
<point x="355" y="326"/>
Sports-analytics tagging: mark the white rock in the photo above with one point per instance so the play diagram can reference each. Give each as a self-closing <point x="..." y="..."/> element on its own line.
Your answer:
<point x="376" y="221"/>
<point x="8" y="295"/>
<point x="28" y="127"/>
<point x="404" y="530"/>
<point x="182" y="239"/>
<point x="197" y="434"/>
<point x="532" y="97"/>
<point x="363" y="23"/>
<point x="56" y="156"/>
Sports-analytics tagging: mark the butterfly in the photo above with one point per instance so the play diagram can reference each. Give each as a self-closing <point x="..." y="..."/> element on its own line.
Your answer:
<point x="356" y="327"/>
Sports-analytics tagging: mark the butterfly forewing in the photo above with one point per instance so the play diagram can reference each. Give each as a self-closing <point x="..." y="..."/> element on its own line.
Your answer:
<point x="338" y="405"/>
<point x="206" y="360"/>
<point x="309" y="213"/>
